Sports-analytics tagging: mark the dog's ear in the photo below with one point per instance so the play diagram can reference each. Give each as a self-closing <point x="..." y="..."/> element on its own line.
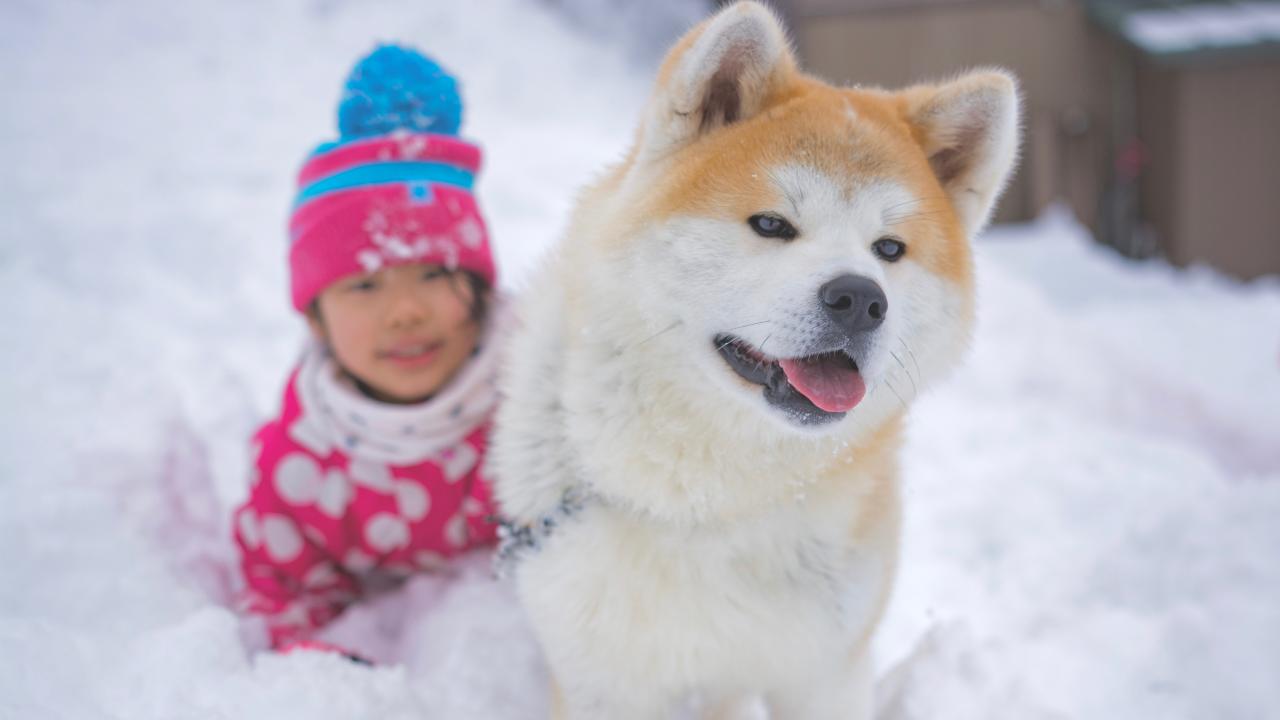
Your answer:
<point x="719" y="73"/>
<point x="969" y="131"/>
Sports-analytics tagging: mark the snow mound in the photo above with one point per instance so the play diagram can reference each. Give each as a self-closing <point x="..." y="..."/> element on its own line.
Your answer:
<point x="1090" y="502"/>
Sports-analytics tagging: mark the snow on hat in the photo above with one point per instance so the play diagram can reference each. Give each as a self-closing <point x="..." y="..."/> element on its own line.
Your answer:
<point x="395" y="187"/>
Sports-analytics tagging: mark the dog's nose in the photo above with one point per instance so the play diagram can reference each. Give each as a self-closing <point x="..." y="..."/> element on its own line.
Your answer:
<point x="854" y="302"/>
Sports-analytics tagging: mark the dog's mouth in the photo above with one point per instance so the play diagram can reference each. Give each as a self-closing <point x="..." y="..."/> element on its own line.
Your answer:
<point x="813" y="389"/>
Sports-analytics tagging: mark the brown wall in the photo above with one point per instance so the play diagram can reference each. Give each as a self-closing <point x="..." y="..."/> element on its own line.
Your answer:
<point x="1211" y="186"/>
<point x="1208" y="129"/>
<point x="1062" y="61"/>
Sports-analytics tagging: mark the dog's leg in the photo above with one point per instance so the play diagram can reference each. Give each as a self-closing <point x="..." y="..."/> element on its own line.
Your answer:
<point x="843" y="695"/>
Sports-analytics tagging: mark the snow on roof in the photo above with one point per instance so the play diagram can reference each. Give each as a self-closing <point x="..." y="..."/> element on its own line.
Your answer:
<point x="1202" y="26"/>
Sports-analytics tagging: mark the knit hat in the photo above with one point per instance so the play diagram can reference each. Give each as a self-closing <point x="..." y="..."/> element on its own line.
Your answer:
<point x="395" y="187"/>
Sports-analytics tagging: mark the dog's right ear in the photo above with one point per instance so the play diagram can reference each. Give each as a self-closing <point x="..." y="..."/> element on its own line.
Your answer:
<point x="719" y="73"/>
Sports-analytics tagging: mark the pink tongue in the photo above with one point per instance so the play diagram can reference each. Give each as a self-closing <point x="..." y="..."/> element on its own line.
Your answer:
<point x="830" y="384"/>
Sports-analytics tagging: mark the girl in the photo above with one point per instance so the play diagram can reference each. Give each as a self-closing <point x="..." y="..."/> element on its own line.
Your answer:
<point x="372" y="471"/>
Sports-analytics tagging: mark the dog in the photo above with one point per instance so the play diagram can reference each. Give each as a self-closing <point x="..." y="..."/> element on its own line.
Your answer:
<point x="696" y="455"/>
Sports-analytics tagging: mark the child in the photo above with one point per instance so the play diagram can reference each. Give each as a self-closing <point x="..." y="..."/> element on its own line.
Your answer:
<point x="372" y="471"/>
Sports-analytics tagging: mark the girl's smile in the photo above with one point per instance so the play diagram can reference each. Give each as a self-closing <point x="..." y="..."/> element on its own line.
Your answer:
<point x="411" y="355"/>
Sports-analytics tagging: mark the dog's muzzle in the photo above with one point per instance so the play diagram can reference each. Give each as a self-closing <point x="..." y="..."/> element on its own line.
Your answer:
<point x="822" y="386"/>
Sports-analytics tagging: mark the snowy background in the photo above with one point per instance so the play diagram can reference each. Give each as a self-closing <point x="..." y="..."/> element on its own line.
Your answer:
<point x="1093" y="502"/>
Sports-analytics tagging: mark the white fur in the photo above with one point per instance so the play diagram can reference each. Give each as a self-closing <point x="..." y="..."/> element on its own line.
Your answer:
<point x="714" y="560"/>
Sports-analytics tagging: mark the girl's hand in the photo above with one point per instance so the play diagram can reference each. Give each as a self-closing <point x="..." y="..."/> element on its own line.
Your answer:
<point x="319" y="646"/>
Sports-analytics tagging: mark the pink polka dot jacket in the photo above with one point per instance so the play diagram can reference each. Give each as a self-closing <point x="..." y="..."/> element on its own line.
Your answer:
<point x="350" y="495"/>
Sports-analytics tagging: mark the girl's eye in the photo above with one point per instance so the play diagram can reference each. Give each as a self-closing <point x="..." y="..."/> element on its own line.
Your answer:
<point x="772" y="226"/>
<point x="433" y="273"/>
<point x="889" y="249"/>
<point x="366" y="285"/>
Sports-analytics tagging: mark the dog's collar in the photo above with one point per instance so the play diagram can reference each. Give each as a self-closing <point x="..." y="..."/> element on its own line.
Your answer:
<point x="515" y="539"/>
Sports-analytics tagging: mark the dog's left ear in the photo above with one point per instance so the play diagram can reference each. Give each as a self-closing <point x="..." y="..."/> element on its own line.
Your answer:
<point x="969" y="131"/>
<point x="721" y="72"/>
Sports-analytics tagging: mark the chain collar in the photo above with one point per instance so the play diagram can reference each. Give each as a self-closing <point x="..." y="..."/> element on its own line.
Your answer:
<point x="515" y="539"/>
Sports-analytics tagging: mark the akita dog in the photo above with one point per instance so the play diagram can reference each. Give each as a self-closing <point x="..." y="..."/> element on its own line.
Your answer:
<point x="697" y="451"/>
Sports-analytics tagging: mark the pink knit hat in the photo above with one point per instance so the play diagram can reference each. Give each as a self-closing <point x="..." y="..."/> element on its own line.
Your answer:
<point x="389" y="192"/>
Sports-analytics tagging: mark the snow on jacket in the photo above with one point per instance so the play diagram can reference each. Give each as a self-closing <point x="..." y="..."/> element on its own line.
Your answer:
<point x="350" y="495"/>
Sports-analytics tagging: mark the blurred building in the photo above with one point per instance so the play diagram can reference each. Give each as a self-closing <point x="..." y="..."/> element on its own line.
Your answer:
<point x="1158" y="121"/>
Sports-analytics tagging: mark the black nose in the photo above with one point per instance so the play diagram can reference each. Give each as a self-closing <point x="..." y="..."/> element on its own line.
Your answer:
<point x="856" y="303"/>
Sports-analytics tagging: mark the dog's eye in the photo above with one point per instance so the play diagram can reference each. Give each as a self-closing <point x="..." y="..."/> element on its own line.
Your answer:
<point x="772" y="226"/>
<point x="889" y="249"/>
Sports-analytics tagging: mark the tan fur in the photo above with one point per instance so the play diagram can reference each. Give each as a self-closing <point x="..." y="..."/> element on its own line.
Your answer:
<point x="724" y="175"/>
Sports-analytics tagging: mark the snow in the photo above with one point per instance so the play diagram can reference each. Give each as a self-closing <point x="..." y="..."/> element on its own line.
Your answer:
<point x="1090" y="502"/>
<point x="1206" y="25"/>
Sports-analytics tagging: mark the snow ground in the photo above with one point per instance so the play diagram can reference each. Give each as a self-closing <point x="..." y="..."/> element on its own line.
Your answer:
<point x="1091" y="502"/>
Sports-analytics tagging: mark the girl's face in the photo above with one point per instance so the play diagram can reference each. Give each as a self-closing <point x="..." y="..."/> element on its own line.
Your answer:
<point x="402" y="331"/>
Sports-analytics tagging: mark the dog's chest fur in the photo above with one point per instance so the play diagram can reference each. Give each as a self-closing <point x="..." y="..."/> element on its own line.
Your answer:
<point x="714" y="606"/>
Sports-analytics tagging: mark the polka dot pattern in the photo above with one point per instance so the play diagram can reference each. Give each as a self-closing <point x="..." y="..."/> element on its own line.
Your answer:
<point x="320" y="575"/>
<point x="298" y="480"/>
<point x="412" y="500"/>
<point x="373" y="475"/>
<point x="455" y="531"/>
<point x="327" y="519"/>
<point x="472" y="507"/>
<point x="281" y="538"/>
<point x="386" y="532"/>
<point x="458" y="461"/>
<point x="335" y="495"/>
<point x="250" y="533"/>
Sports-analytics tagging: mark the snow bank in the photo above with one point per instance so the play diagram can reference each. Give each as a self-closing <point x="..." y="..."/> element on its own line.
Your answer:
<point x="1091" y="501"/>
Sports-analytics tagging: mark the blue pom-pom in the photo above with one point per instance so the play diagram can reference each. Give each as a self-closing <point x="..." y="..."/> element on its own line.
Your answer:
<point x="396" y="88"/>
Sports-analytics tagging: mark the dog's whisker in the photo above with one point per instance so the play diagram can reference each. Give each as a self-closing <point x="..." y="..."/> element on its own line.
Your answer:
<point x="939" y="211"/>
<point x="895" y="206"/>
<point x="911" y="355"/>
<point x="894" y="390"/>
<point x="927" y="221"/>
<point x="904" y="213"/>
<point x="915" y="219"/>
<point x="761" y="322"/>
<point x="914" y="391"/>
<point x="924" y="216"/>
<point x="668" y="328"/>
<point x="888" y="213"/>
<point x="762" y="362"/>
<point x="916" y="201"/>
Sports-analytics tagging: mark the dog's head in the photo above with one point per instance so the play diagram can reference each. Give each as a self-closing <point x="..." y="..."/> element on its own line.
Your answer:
<point x="807" y="245"/>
